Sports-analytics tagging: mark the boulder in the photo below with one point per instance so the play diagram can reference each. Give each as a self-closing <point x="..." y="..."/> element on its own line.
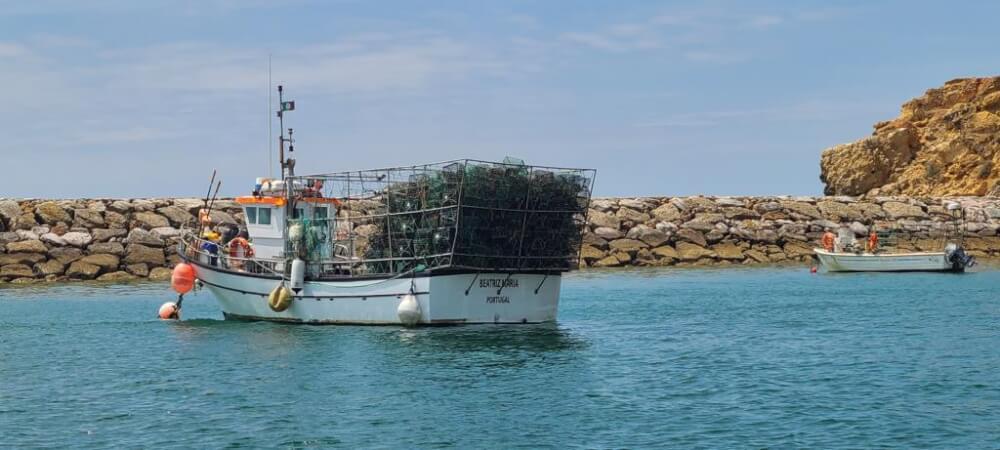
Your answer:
<point x="27" y="235"/>
<point x="24" y="222"/>
<point x="116" y="276"/>
<point x="687" y="251"/>
<point x="138" y="253"/>
<point x="143" y="205"/>
<point x="667" y="213"/>
<point x="739" y="213"/>
<point x="166" y="232"/>
<point x="160" y="274"/>
<point x="51" y="213"/>
<point x="105" y="261"/>
<point x="120" y="206"/>
<point x="50" y="267"/>
<point x="104" y="234"/>
<point x="665" y="251"/>
<point x="30" y="246"/>
<point x="65" y="255"/>
<point x="899" y="210"/>
<point x="689" y="235"/>
<point x="802" y="208"/>
<point x="52" y="239"/>
<point x="608" y="233"/>
<point x="653" y="237"/>
<point x="590" y="253"/>
<point x="603" y="204"/>
<point x="16" y="270"/>
<point x="756" y="256"/>
<point x="797" y="249"/>
<point x="638" y="204"/>
<point x="8" y="237"/>
<point x="859" y="229"/>
<point x="20" y="258"/>
<point x="631" y="215"/>
<point x="149" y="220"/>
<point x="111" y="248"/>
<point x="77" y="238"/>
<point x="728" y="250"/>
<point x="87" y="218"/>
<point x="139" y="270"/>
<point x="600" y="219"/>
<point x="609" y="261"/>
<point x="141" y="236"/>
<point x="177" y="216"/>
<point x="9" y="212"/>
<point x="594" y="240"/>
<point x="220" y="217"/>
<point x="82" y="270"/>
<point x="627" y="245"/>
<point x="115" y="220"/>
<point x="837" y="211"/>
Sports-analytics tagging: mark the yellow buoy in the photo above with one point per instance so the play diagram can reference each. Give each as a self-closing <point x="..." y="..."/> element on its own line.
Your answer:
<point x="279" y="299"/>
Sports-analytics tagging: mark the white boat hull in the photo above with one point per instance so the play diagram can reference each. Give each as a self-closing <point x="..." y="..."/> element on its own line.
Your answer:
<point x="887" y="262"/>
<point x="443" y="299"/>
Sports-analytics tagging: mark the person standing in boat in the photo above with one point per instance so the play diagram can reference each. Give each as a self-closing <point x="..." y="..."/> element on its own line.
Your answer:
<point x="872" y="242"/>
<point x="828" y="240"/>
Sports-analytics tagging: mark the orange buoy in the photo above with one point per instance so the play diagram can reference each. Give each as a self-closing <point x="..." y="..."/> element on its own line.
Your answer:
<point x="182" y="278"/>
<point x="169" y="310"/>
<point x="812" y="269"/>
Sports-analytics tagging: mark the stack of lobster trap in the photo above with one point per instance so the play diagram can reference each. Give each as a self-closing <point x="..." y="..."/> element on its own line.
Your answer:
<point x="464" y="214"/>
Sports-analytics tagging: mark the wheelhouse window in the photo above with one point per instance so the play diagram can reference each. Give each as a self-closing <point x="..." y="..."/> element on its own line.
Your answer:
<point x="320" y="213"/>
<point x="264" y="216"/>
<point x="251" y="215"/>
<point x="297" y="213"/>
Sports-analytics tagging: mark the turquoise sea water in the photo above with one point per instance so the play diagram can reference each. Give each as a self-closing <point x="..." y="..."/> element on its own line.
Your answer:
<point x="684" y="358"/>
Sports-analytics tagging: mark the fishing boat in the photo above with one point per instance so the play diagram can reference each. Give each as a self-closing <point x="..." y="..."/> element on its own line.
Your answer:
<point x="952" y="259"/>
<point x="456" y="242"/>
<point x="881" y="254"/>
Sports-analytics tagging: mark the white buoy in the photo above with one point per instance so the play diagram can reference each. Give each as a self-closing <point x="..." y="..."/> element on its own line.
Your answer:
<point x="298" y="275"/>
<point x="408" y="310"/>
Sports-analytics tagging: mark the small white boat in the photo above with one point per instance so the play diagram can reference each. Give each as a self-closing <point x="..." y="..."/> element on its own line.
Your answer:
<point x="953" y="259"/>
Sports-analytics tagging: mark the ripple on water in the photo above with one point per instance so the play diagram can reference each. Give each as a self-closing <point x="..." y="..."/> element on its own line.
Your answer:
<point x="643" y="358"/>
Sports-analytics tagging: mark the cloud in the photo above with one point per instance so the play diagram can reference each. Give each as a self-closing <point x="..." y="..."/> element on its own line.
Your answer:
<point x="811" y="110"/>
<point x="9" y="50"/>
<point x="715" y="57"/>
<point x="764" y="21"/>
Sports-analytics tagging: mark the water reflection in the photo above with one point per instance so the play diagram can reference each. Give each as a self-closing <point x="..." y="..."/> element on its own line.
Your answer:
<point x="538" y="338"/>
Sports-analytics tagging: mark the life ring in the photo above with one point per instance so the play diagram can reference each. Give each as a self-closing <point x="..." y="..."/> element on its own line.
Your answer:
<point x="238" y="244"/>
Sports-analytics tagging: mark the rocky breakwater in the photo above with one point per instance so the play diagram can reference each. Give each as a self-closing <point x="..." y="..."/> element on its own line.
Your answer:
<point x="106" y="240"/>
<point x="679" y="231"/>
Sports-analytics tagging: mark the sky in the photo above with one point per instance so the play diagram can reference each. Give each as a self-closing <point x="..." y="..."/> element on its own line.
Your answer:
<point x="123" y="98"/>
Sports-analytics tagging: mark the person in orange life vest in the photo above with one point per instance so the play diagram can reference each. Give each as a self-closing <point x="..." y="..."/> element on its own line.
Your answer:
<point x="828" y="240"/>
<point x="872" y="242"/>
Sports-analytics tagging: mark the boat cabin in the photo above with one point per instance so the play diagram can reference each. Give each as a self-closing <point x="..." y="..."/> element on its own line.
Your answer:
<point x="266" y="220"/>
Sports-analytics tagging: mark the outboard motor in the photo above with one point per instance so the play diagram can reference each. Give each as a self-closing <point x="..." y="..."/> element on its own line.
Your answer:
<point x="958" y="258"/>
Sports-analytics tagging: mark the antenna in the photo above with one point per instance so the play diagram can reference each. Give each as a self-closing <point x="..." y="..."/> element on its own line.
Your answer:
<point x="270" y="123"/>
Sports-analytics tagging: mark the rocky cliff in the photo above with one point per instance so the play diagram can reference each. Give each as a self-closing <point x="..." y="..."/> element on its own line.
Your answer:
<point x="946" y="142"/>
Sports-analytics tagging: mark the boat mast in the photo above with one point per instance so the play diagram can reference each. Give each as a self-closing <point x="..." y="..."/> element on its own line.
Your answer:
<point x="287" y="165"/>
